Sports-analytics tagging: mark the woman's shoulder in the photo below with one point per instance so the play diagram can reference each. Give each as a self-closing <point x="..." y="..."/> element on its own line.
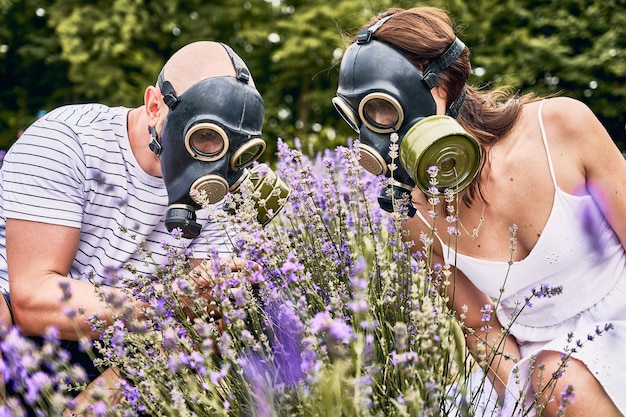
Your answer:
<point x="575" y="133"/>
<point x="566" y="120"/>
<point x="566" y="113"/>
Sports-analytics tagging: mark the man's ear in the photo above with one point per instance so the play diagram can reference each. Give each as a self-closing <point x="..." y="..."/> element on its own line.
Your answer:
<point x="153" y="102"/>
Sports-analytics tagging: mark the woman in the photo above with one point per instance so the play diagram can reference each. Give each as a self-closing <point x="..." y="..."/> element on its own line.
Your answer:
<point x="544" y="211"/>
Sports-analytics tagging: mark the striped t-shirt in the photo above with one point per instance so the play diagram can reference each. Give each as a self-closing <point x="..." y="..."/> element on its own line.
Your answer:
<point x="75" y="167"/>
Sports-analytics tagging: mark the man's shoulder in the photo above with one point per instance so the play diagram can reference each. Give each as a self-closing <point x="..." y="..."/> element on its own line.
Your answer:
<point x="87" y="114"/>
<point x="91" y="125"/>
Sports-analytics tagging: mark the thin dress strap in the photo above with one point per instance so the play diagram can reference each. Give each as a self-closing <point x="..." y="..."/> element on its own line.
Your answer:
<point x="429" y="226"/>
<point x="544" y="137"/>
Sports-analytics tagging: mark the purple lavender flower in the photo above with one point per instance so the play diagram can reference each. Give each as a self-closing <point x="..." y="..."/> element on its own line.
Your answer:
<point x="567" y="398"/>
<point x="287" y="344"/>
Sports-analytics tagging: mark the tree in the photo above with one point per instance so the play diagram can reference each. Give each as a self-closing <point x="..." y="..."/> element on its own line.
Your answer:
<point x="32" y="73"/>
<point x="54" y="52"/>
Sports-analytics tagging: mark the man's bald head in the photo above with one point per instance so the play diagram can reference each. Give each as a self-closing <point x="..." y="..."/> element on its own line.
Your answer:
<point x="198" y="61"/>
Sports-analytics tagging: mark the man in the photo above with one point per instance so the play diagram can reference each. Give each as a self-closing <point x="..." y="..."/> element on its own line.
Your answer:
<point x="88" y="188"/>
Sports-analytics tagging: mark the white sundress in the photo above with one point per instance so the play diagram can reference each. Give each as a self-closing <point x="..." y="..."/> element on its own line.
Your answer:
<point x="579" y="251"/>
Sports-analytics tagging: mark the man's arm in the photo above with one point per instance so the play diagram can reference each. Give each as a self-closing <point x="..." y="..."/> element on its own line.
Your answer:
<point x="39" y="257"/>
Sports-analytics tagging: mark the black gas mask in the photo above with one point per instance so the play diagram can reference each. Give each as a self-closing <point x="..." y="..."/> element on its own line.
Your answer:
<point x="380" y="93"/>
<point x="210" y="138"/>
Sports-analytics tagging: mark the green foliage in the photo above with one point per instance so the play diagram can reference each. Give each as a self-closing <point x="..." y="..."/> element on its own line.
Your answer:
<point x="32" y="75"/>
<point x="109" y="51"/>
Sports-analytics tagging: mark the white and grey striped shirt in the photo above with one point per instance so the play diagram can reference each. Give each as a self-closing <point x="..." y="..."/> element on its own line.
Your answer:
<point x="74" y="167"/>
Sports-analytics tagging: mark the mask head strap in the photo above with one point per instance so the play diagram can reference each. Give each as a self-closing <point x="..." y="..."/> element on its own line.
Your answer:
<point x="167" y="89"/>
<point x="169" y="94"/>
<point x="242" y="72"/>
<point x="434" y="67"/>
<point x="154" y="145"/>
<point x="455" y="106"/>
<point x="365" y="35"/>
<point x="442" y="62"/>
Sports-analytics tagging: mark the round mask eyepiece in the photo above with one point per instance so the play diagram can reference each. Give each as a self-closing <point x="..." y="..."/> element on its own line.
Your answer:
<point x="206" y="142"/>
<point x="347" y="113"/>
<point x="381" y="113"/>
<point x="247" y="154"/>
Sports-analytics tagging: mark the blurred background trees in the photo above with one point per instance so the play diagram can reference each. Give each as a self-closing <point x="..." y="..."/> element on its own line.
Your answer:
<point x="54" y="52"/>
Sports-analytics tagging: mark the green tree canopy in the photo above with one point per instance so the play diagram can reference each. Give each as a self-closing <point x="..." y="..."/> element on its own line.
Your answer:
<point x="54" y="52"/>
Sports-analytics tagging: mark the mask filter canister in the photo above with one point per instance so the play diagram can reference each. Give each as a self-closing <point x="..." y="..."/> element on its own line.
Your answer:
<point x="440" y="141"/>
<point x="269" y="193"/>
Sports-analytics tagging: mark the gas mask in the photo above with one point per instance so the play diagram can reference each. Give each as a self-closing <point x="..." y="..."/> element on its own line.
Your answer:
<point x="380" y="92"/>
<point x="210" y="138"/>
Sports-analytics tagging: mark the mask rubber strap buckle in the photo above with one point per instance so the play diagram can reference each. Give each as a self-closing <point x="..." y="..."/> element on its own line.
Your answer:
<point x="365" y="35"/>
<point x="154" y="144"/>
<point x="455" y="107"/>
<point x="169" y="95"/>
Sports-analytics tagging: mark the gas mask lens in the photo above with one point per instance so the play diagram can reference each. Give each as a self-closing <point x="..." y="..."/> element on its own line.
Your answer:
<point x="381" y="113"/>
<point x="347" y="113"/>
<point x="206" y="141"/>
<point x="247" y="154"/>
